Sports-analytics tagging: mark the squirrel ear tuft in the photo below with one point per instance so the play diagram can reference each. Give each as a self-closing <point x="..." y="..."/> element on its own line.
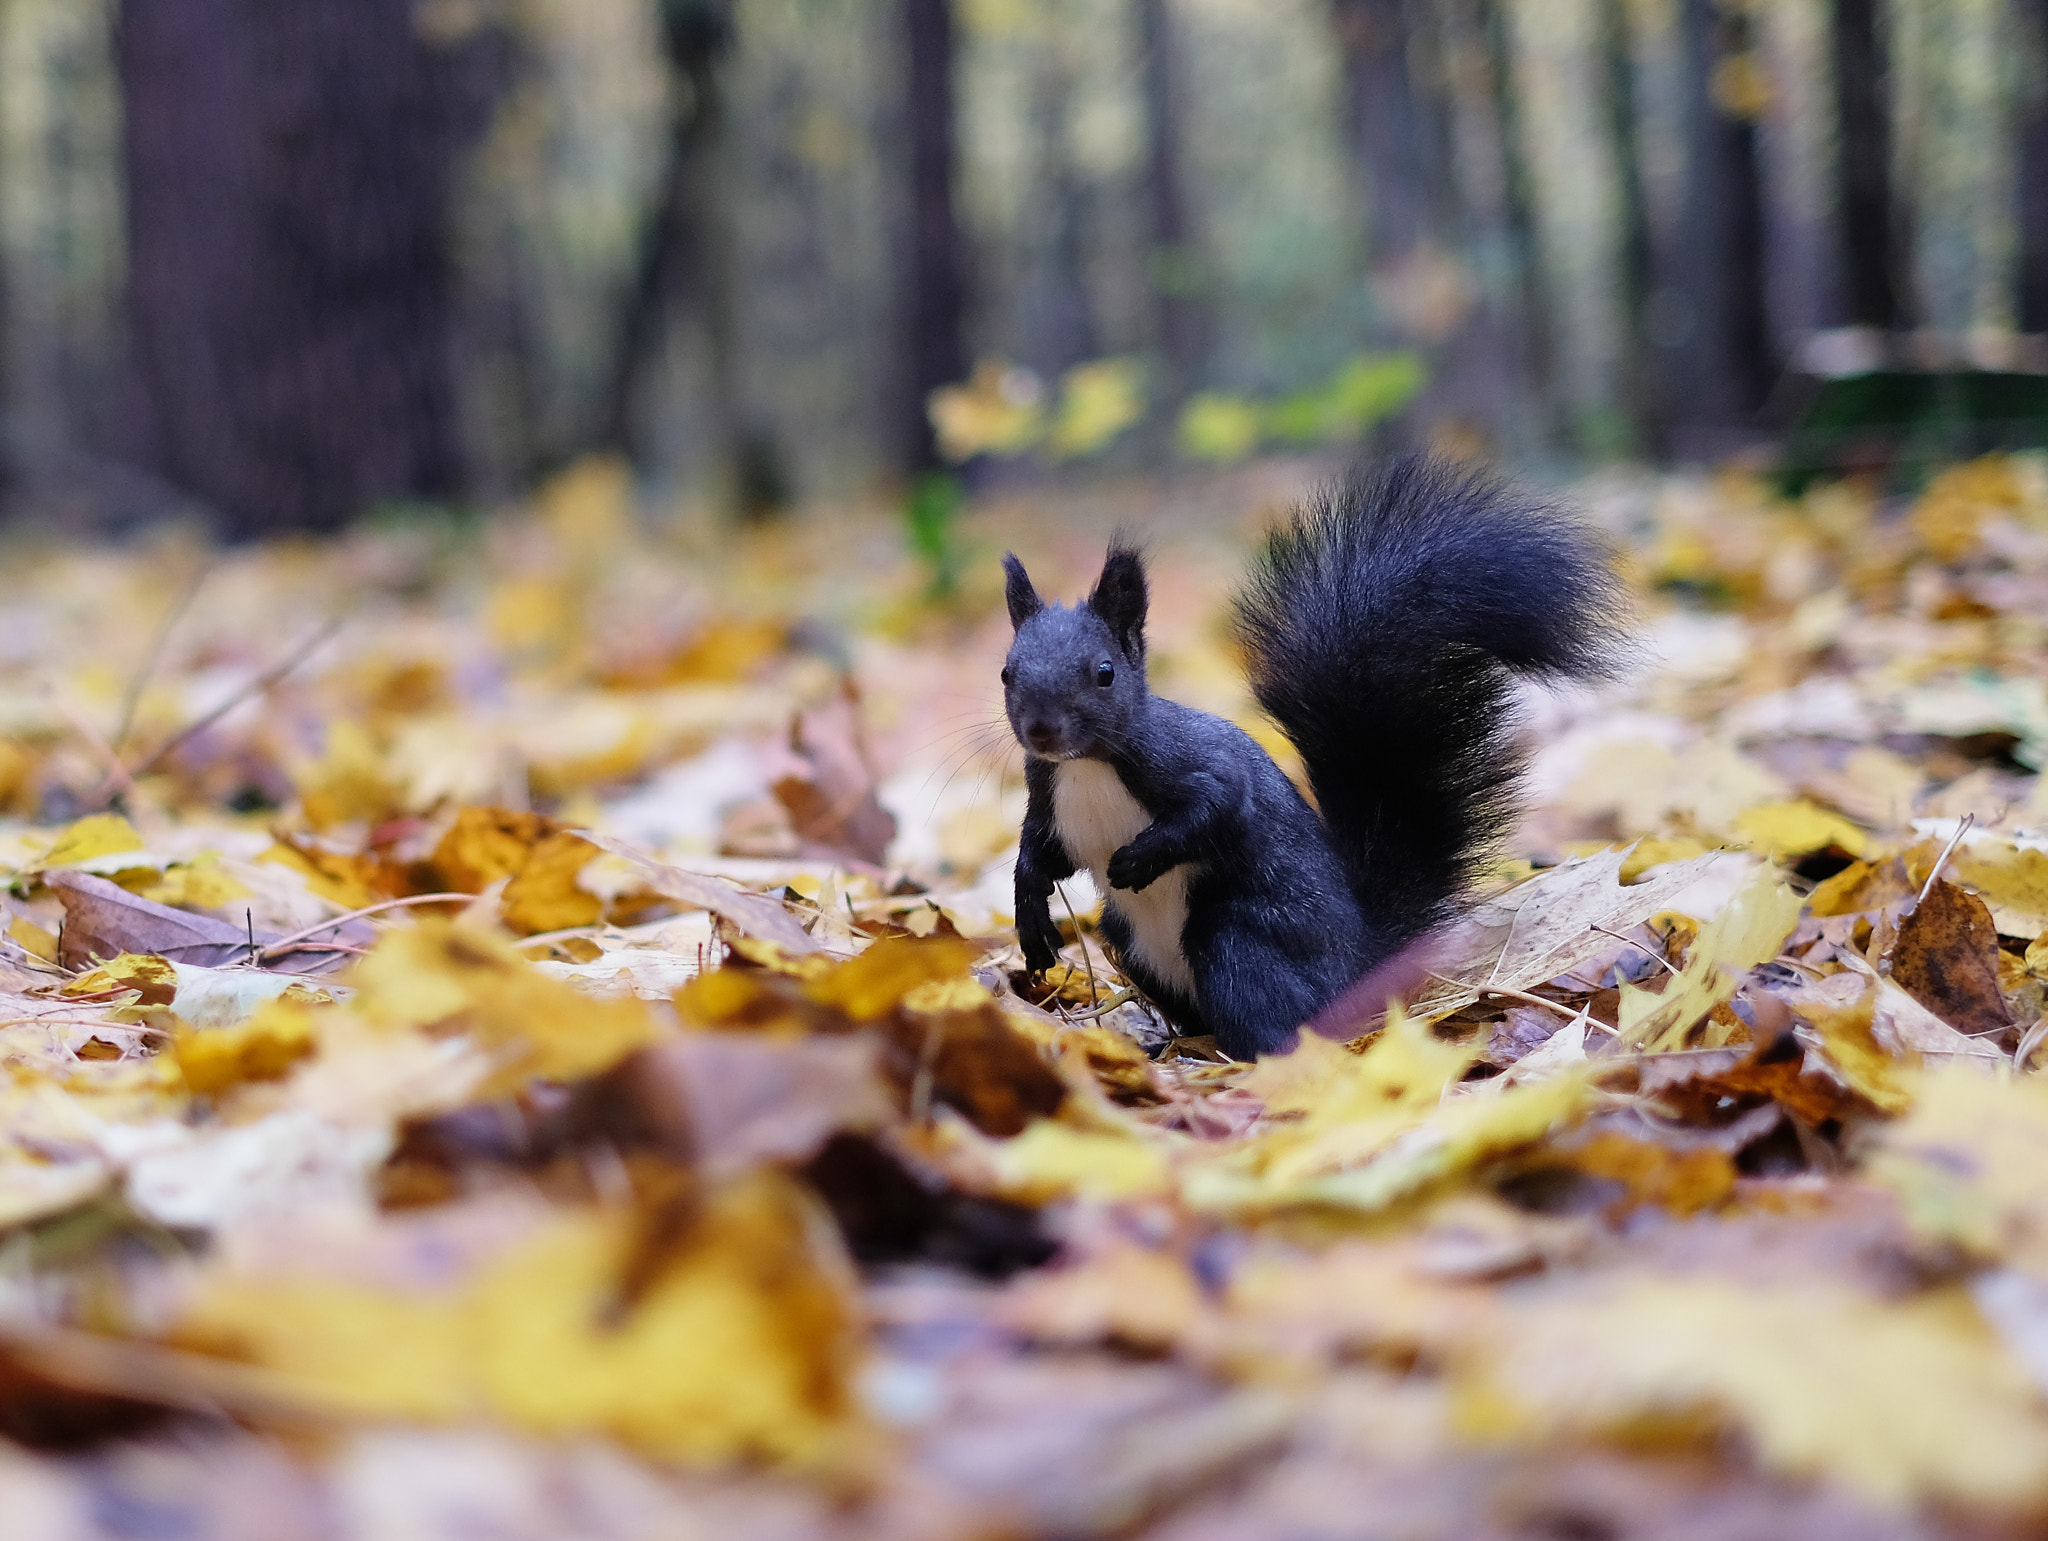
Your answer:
<point x="1120" y="597"/>
<point x="1023" y="598"/>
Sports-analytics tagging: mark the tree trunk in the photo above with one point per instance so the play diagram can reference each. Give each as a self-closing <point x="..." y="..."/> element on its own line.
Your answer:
<point x="1639" y="373"/>
<point x="1394" y="129"/>
<point x="2033" y="175"/>
<point x="934" y="315"/>
<point x="686" y="262"/>
<point x="1720" y="369"/>
<point x="1869" y="296"/>
<point x="289" y="278"/>
<point x="1058" y="313"/>
<point x="1180" y="318"/>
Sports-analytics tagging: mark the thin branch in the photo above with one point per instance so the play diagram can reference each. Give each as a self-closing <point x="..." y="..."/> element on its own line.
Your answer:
<point x="1947" y="851"/>
<point x="1122" y="999"/>
<point x="286" y="943"/>
<point x="1655" y="956"/>
<point x="1527" y="999"/>
<point x="116" y="782"/>
<point x="1087" y="962"/>
<point x="133" y="698"/>
<point x="260" y="685"/>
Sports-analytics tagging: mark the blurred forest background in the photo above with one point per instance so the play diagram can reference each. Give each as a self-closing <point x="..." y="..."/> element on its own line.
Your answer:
<point x="283" y="264"/>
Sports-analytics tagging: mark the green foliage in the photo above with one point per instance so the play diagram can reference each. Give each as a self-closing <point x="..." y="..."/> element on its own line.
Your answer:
<point x="1365" y="391"/>
<point x="931" y="522"/>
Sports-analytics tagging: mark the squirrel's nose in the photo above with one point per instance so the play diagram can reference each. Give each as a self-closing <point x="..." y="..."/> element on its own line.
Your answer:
<point x="1041" y="735"/>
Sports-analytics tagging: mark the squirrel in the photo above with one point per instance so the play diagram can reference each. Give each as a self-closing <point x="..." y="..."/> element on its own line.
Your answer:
<point x="1383" y="625"/>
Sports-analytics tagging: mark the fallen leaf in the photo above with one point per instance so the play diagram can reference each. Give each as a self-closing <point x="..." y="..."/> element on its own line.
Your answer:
<point x="743" y="1347"/>
<point x="443" y="978"/>
<point x="751" y="913"/>
<point x="104" y="920"/>
<point x="1946" y="958"/>
<point x="1748" y="931"/>
<point x="1903" y="1403"/>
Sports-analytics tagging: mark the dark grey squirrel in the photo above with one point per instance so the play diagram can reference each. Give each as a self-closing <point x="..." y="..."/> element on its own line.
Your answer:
<point x="1383" y="624"/>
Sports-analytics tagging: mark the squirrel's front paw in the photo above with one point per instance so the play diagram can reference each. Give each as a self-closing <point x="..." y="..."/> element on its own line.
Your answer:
<point x="1039" y="935"/>
<point x="1133" y="867"/>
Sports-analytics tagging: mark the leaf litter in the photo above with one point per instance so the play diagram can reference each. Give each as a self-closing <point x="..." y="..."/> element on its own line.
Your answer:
<point x="551" y="1048"/>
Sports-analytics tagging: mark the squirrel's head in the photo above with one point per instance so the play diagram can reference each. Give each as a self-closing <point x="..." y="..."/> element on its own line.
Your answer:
<point x="1075" y="678"/>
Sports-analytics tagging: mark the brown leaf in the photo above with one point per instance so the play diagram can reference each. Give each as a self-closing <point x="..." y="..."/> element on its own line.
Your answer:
<point x="1946" y="958"/>
<point x="733" y="1101"/>
<point x="752" y="913"/>
<point x="830" y="791"/>
<point x="104" y="920"/>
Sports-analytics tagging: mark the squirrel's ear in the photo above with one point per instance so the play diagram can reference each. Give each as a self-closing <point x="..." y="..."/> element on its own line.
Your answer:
<point x="1120" y="598"/>
<point x="1017" y="589"/>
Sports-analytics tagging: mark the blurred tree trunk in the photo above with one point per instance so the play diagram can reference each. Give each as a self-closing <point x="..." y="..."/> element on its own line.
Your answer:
<point x="1181" y="321"/>
<point x="1869" y="296"/>
<point x="289" y="277"/>
<point x="2033" y="174"/>
<point x="1059" y="323"/>
<point x="686" y="263"/>
<point x="1394" y="128"/>
<point x="1640" y="395"/>
<point x="934" y="315"/>
<point x="1719" y="369"/>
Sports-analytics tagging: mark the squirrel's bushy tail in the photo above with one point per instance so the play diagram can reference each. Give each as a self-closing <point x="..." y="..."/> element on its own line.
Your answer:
<point x="1382" y="625"/>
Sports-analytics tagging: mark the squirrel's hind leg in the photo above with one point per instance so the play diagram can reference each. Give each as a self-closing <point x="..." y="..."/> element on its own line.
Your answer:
<point x="1258" y="980"/>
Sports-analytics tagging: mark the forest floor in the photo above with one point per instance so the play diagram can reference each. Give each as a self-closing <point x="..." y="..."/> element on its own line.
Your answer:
<point x="514" y="1032"/>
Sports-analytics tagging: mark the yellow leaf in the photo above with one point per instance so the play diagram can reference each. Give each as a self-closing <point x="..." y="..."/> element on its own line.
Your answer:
<point x="1967" y="1163"/>
<point x="543" y="896"/>
<point x="198" y="885"/>
<point x="485" y="844"/>
<point x="1902" y="1403"/>
<point x="1750" y="929"/>
<point x="95" y="837"/>
<point x="349" y="782"/>
<point x="742" y="1348"/>
<point x="1798" y="828"/>
<point x="1373" y="1127"/>
<point x="1842" y="1008"/>
<point x="877" y="982"/>
<point x="1051" y="1160"/>
<point x="1952" y="512"/>
<point x="1656" y="850"/>
<point x="154" y="980"/>
<point x="997" y="412"/>
<point x="2011" y="879"/>
<point x="263" y="1048"/>
<point x="343" y="880"/>
<point x="32" y="938"/>
<point x="1098" y="401"/>
<point x="441" y="977"/>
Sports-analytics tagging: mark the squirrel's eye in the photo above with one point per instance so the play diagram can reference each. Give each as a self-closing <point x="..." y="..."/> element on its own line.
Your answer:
<point x="1105" y="674"/>
<point x="1006" y="674"/>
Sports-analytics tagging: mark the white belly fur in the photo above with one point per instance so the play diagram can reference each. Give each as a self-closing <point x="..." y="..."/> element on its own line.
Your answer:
<point x="1094" y="816"/>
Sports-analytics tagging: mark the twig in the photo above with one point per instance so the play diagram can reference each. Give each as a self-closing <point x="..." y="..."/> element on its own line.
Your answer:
<point x="286" y="943"/>
<point x="1086" y="961"/>
<point x="1531" y="1000"/>
<point x="1655" y="956"/>
<point x="116" y="782"/>
<point x="2028" y="1044"/>
<point x="133" y="698"/>
<point x="1947" y="851"/>
<point x="1124" y="998"/>
<point x="255" y="687"/>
